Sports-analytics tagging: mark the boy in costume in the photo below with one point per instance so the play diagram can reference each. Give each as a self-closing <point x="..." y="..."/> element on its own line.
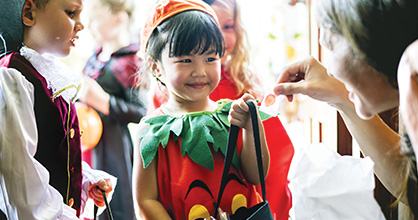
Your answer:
<point x="41" y="175"/>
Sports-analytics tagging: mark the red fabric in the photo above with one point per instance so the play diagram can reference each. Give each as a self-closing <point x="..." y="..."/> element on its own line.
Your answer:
<point x="159" y="97"/>
<point x="281" y="154"/>
<point x="176" y="173"/>
<point x="226" y="88"/>
<point x="87" y="157"/>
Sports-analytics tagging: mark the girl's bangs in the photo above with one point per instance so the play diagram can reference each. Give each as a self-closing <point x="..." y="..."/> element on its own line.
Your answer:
<point x="197" y="33"/>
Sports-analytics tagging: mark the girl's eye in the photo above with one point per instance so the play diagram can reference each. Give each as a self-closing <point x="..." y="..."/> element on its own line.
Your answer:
<point x="185" y="61"/>
<point x="228" y="27"/>
<point x="70" y="14"/>
<point x="211" y="59"/>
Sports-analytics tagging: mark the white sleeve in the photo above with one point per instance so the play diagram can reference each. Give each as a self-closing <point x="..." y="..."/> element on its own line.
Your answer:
<point x="25" y="192"/>
<point x="91" y="176"/>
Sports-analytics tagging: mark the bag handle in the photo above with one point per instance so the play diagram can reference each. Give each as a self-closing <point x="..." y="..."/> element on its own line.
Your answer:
<point x="232" y="142"/>
<point x="109" y="212"/>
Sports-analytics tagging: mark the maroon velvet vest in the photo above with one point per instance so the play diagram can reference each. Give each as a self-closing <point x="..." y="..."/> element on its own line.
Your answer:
<point x="58" y="133"/>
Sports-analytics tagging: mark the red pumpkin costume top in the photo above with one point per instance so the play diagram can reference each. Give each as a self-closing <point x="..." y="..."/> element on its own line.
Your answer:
<point x="190" y="151"/>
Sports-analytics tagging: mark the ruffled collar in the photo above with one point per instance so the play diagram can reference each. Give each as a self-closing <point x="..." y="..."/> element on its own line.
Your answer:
<point x="60" y="78"/>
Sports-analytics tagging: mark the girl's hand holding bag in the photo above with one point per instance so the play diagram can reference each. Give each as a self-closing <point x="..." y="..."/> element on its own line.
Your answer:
<point x="261" y="211"/>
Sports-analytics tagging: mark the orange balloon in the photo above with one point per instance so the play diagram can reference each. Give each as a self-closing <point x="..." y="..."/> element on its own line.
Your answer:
<point x="91" y="126"/>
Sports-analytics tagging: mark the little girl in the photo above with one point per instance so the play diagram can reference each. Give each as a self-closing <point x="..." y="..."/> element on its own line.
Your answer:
<point x="179" y="164"/>
<point x="236" y="77"/>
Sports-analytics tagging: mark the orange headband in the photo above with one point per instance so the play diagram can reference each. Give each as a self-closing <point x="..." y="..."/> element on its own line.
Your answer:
<point x="168" y="8"/>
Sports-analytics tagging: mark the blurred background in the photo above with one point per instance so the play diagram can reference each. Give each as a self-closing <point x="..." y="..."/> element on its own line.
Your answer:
<point x="279" y="32"/>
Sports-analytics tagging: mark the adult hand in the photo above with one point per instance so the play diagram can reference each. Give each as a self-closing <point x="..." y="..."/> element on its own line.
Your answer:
<point x="96" y="194"/>
<point x="309" y="77"/>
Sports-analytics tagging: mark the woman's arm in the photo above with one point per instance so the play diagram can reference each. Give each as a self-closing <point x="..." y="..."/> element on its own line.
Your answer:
<point x="408" y="91"/>
<point x="374" y="137"/>
<point x="145" y="190"/>
<point x="239" y="115"/>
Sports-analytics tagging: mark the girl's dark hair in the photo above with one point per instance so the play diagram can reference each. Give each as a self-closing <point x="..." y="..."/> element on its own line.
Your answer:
<point x="189" y="32"/>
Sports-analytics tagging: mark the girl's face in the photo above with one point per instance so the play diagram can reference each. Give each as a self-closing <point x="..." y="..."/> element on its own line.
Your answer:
<point x="190" y="78"/>
<point x="227" y="26"/>
<point x="55" y="27"/>
<point x="369" y="90"/>
<point x="103" y="24"/>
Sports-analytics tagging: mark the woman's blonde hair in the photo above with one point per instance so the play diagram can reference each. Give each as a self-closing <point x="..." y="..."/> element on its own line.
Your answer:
<point x="410" y="188"/>
<point x="116" y="6"/>
<point x="238" y="63"/>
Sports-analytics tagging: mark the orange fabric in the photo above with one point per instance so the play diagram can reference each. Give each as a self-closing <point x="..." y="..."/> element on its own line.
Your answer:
<point x="168" y="8"/>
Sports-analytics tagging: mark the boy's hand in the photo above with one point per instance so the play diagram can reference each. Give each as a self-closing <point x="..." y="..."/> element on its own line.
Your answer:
<point x="96" y="194"/>
<point x="239" y="114"/>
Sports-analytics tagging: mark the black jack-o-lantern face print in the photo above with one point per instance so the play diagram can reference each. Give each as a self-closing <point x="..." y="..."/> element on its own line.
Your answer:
<point x="201" y="192"/>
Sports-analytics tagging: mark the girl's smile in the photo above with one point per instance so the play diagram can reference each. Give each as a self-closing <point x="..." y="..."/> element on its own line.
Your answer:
<point x="190" y="78"/>
<point x="197" y="85"/>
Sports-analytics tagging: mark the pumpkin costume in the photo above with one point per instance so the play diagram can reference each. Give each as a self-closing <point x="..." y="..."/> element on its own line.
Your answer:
<point x="190" y="151"/>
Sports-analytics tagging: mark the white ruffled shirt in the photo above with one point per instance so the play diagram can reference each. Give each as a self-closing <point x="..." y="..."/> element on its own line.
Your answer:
<point x="25" y="192"/>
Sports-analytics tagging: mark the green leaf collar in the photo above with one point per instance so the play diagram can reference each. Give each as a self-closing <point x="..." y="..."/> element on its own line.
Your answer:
<point x="196" y="129"/>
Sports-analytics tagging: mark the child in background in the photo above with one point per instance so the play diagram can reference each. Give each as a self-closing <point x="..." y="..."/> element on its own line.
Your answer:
<point x="41" y="174"/>
<point x="111" y="72"/>
<point x="178" y="167"/>
<point x="236" y="78"/>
